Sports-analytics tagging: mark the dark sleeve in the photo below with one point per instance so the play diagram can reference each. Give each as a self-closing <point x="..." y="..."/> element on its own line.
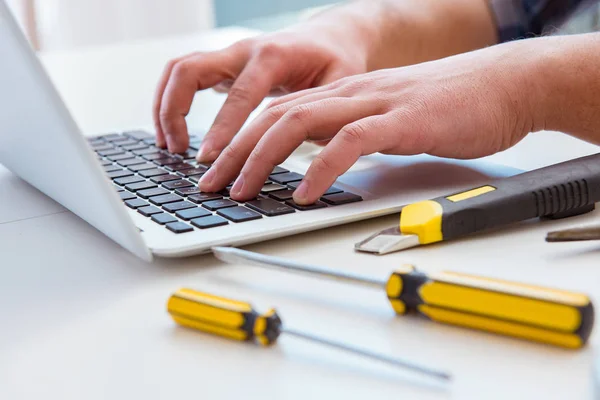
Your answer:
<point x="517" y="19"/>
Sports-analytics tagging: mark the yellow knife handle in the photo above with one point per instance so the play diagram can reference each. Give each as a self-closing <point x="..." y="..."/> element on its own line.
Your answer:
<point x="536" y="313"/>
<point x="223" y="317"/>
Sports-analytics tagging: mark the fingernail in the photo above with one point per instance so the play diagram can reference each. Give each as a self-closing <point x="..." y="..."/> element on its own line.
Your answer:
<point x="206" y="154"/>
<point x="238" y="185"/>
<point x="208" y="177"/>
<point x="301" y="193"/>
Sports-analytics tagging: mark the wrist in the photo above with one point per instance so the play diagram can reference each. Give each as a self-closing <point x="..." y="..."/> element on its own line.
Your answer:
<point x="567" y="82"/>
<point x="354" y="26"/>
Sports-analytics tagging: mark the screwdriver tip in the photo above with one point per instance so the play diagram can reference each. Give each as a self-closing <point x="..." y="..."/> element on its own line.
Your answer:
<point x="577" y="234"/>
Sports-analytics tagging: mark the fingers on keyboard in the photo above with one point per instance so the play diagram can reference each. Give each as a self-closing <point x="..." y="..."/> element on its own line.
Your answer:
<point x="163" y="186"/>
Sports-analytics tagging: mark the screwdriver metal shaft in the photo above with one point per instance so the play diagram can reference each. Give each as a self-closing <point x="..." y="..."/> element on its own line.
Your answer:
<point x="396" y="362"/>
<point x="232" y="255"/>
<point x="552" y="316"/>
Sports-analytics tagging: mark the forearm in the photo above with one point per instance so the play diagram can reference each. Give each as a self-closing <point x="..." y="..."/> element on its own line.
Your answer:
<point x="403" y="32"/>
<point x="568" y="84"/>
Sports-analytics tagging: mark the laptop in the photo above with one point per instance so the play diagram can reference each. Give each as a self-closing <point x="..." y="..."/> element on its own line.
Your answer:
<point x="147" y="200"/>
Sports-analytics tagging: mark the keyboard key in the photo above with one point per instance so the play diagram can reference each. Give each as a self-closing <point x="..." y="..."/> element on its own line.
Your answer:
<point x="269" y="207"/>
<point x="119" y="157"/>
<point x="167" y="160"/>
<point x="165" y="178"/>
<point x="180" y="205"/>
<point x="226" y="192"/>
<point x="119" y="174"/>
<point x="105" y="163"/>
<point x="282" y="195"/>
<point x="151" y="141"/>
<point x="95" y="141"/>
<point x="135" y="203"/>
<point x="112" y="152"/>
<point x="172" y="185"/>
<point x="139" y="135"/>
<point x="164" y="199"/>
<point x="202" y="197"/>
<point x="192" y="213"/>
<point x="315" y="206"/>
<point x="341" y="198"/>
<point x="215" y="205"/>
<point x="134" y="187"/>
<point x="279" y="170"/>
<point x="239" y="214"/>
<point x="128" y="179"/>
<point x="130" y="161"/>
<point x="153" y="156"/>
<point x="209" y="222"/>
<point x="188" y="155"/>
<point x="179" y="227"/>
<point x="111" y="168"/>
<point x="146" y="151"/>
<point x="163" y="218"/>
<point x="195" y="178"/>
<point x="110" y="137"/>
<point x="127" y="142"/>
<point x="192" y="171"/>
<point x="102" y="147"/>
<point x="286" y="177"/>
<point x="272" y="187"/>
<point x="146" y="193"/>
<point x="149" y="210"/>
<point x="179" y="166"/>
<point x="126" y="195"/>
<point x="149" y="173"/>
<point x="118" y="189"/>
<point x="137" y="146"/>
<point x="141" y="167"/>
<point x="188" y="191"/>
<point x="331" y="190"/>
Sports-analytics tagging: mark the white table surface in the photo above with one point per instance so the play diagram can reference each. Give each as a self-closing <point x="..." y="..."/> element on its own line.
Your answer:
<point x="84" y="319"/>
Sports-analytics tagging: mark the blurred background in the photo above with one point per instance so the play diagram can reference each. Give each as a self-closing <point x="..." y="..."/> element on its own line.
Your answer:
<point x="65" y="24"/>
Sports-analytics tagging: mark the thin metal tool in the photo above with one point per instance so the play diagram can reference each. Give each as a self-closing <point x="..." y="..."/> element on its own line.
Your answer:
<point x="556" y="317"/>
<point x="238" y="320"/>
<point x="575" y="234"/>
<point x="396" y="362"/>
<point x="232" y="255"/>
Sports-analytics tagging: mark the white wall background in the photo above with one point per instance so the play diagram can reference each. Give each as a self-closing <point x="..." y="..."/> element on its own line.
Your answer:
<point x="64" y="24"/>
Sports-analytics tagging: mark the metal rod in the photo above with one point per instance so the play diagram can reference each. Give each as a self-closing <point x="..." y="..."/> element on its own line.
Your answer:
<point x="371" y="355"/>
<point x="575" y="234"/>
<point x="234" y="256"/>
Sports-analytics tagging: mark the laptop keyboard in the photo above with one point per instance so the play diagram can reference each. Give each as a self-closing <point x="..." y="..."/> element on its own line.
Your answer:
<point x="163" y="186"/>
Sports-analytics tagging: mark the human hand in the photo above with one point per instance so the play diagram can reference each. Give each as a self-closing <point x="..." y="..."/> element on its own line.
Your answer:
<point x="309" y="55"/>
<point x="465" y="106"/>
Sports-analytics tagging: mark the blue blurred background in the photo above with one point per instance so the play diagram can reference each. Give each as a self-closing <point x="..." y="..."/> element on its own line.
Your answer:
<point x="239" y="12"/>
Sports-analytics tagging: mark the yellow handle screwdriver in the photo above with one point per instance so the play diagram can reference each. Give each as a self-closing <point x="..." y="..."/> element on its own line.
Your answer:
<point x="535" y="313"/>
<point x="239" y="321"/>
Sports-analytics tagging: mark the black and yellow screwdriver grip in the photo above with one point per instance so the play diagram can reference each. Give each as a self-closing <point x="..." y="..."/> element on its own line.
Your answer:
<point x="223" y="317"/>
<point x="557" y="191"/>
<point x="535" y="313"/>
